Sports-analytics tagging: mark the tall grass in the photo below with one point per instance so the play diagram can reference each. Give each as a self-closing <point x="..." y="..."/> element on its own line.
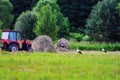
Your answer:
<point x="54" y="66"/>
<point x="95" y="46"/>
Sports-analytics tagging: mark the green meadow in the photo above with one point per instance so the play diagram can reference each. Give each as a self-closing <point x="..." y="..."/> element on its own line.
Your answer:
<point x="59" y="66"/>
<point x="84" y="45"/>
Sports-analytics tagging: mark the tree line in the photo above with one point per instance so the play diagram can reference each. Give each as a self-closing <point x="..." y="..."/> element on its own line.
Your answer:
<point x="94" y="20"/>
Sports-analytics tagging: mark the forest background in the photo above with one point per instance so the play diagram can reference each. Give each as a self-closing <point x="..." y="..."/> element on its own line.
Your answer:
<point x="78" y="20"/>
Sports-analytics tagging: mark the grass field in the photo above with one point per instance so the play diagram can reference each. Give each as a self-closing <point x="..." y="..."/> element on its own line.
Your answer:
<point x="56" y="66"/>
<point x="83" y="45"/>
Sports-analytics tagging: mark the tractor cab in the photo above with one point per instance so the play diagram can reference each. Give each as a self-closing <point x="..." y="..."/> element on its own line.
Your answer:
<point x="14" y="41"/>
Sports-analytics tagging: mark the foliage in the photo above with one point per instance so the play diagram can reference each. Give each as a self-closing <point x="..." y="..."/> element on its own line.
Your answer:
<point x="77" y="11"/>
<point x="77" y="36"/>
<point x="85" y="38"/>
<point x="118" y="8"/>
<point x="0" y="33"/>
<point x="26" y="23"/>
<point x="63" y="22"/>
<point x="50" y="20"/>
<point x="33" y="3"/>
<point x="45" y="2"/>
<point x="21" y="6"/>
<point x="0" y="28"/>
<point x="95" y="46"/>
<point x="103" y="22"/>
<point x="47" y="66"/>
<point x="46" y="24"/>
<point x="6" y="17"/>
<point x="0" y="24"/>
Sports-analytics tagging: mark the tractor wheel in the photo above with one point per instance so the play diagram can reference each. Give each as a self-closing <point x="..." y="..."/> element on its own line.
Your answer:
<point x="4" y="46"/>
<point x="30" y="50"/>
<point x="13" y="48"/>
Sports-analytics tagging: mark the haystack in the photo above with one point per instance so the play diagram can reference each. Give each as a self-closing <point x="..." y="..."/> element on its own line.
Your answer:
<point x="43" y="44"/>
<point x="63" y="45"/>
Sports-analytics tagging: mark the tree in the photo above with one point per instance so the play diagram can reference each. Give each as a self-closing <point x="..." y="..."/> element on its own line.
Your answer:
<point x="50" y="20"/>
<point x="77" y="12"/>
<point x="22" y="5"/>
<point x="103" y="22"/>
<point x="0" y="24"/>
<point x="26" y="23"/>
<point x="34" y="2"/>
<point x="46" y="24"/>
<point x="0" y="28"/>
<point x="118" y="8"/>
<point x="6" y="17"/>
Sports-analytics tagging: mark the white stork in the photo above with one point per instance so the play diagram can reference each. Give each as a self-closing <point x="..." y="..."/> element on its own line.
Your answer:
<point x="78" y="51"/>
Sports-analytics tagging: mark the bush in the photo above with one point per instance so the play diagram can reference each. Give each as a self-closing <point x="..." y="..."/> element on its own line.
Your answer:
<point x="85" y="38"/>
<point x="26" y="23"/>
<point x="76" y="36"/>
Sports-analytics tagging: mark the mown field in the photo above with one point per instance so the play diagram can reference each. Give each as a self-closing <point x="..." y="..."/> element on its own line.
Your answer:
<point x="56" y="66"/>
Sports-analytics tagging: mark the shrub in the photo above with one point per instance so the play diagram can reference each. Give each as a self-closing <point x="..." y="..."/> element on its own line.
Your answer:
<point x="76" y="36"/>
<point x="85" y="38"/>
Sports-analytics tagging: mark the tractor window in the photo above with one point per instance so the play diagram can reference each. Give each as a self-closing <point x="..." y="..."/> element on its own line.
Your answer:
<point x="5" y="35"/>
<point x="19" y="37"/>
<point x="12" y="36"/>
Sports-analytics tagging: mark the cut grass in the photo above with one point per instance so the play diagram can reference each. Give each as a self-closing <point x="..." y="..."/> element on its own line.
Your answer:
<point x="54" y="66"/>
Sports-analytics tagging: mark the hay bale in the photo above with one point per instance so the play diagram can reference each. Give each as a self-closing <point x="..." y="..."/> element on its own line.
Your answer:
<point x="43" y="44"/>
<point x="62" y="45"/>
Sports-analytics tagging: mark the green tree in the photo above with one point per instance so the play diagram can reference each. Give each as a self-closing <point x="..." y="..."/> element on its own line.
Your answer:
<point x="50" y="20"/>
<point x="6" y="17"/>
<point x="22" y="5"/>
<point x="46" y="24"/>
<point x="26" y="23"/>
<point x="103" y="22"/>
<point x="0" y="28"/>
<point x="118" y="8"/>
<point x="0" y="24"/>
<point x="77" y="12"/>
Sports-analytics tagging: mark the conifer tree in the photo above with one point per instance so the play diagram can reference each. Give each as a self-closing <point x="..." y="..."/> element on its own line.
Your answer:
<point x="103" y="22"/>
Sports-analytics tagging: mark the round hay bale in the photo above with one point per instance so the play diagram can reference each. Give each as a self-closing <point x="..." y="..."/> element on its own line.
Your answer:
<point x="62" y="45"/>
<point x="43" y="44"/>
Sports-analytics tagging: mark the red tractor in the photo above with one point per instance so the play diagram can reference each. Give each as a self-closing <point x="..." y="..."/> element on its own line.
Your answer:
<point x="13" y="41"/>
